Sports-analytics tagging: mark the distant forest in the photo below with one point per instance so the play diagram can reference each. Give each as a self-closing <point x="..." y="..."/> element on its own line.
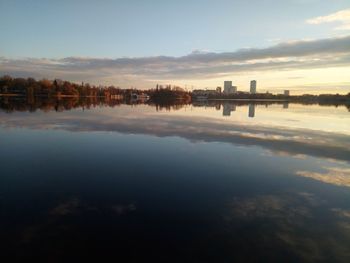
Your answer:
<point x="30" y="87"/>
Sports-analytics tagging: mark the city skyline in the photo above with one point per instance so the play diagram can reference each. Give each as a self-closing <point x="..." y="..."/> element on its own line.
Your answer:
<point x="298" y="45"/>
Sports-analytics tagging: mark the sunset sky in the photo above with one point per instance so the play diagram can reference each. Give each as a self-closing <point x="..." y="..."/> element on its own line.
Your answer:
<point x="301" y="45"/>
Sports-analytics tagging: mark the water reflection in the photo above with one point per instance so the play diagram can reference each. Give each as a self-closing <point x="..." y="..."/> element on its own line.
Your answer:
<point x="284" y="223"/>
<point x="251" y="110"/>
<point x="32" y="104"/>
<point x="12" y="104"/>
<point x="201" y="182"/>
<point x="228" y="108"/>
<point x="332" y="175"/>
<point x="144" y="119"/>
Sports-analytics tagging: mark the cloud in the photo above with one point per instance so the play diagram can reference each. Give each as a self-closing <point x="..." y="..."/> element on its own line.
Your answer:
<point x="332" y="175"/>
<point x="342" y="212"/>
<point x="342" y="17"/>
<point x="66" y="208"/>
<point x="289" y="208"/>
<point x="290" y="221"/>
<point x="124" y="209"/>
<point x="306" y="54"/>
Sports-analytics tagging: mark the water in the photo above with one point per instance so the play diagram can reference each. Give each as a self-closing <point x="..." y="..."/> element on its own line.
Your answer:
<point x="209" y="182"/>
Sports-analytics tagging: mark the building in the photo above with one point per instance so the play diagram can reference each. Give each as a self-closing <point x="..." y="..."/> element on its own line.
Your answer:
<point x="286" y="93"/>
<point x="142" y="96"/>
<point x="218" y="89"/>
<point x="253" y="87"/>
<point x="228" y="88"/>
<point x="203" y="94"/>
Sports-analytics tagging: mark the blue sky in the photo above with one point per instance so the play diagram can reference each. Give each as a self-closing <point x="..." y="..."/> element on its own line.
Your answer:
<point x="116" y="29"/>
<point x="157" y="27"/>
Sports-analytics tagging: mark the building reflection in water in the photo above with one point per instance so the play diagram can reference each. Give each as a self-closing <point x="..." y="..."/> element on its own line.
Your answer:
<point x="228" y="108"/>
<point x="251" y="113"/>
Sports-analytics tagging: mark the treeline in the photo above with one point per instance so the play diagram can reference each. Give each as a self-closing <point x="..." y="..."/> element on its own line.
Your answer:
<point x="54" y="88"/>
<point x="322" y="98"/>
<point x="168" y="94"/>
<point x="31" y="88"/>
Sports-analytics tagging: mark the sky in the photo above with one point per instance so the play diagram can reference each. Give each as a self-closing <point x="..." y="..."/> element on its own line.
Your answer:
<point x="301" y="45"/>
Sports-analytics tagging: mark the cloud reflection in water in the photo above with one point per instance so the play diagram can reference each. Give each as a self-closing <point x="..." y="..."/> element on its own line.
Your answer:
<point x="293" y="141"/>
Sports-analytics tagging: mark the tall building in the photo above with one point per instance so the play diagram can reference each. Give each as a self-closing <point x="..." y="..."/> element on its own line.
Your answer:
<point x="286" y="93"/>
<point x="218" y="89"/>
<point x="228" y="88"/>
<point x="253" y="87"/>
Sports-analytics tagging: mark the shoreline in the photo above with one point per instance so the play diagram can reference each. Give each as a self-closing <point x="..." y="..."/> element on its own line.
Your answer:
<point x="269" y="100"/>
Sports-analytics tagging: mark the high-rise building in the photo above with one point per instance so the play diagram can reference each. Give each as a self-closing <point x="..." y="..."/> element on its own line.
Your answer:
<point x="228" y="88"/>
<point x="253" y="87"/>
<point x="218" y="89"/>
<point x="286" y="93"/>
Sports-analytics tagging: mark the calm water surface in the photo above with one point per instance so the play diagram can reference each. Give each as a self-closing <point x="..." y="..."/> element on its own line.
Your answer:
<point x="196" y="183"/>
